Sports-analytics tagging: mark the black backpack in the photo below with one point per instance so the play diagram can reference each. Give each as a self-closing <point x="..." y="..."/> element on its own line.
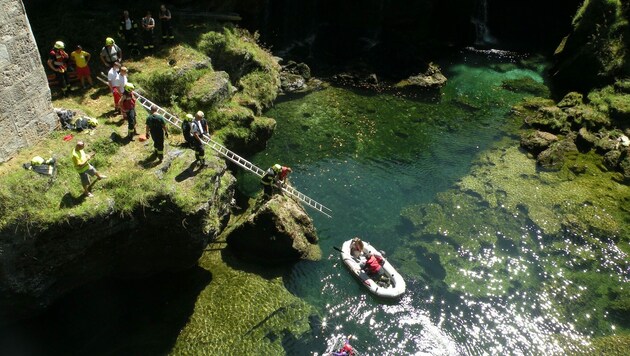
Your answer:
<point x="186" y="128"/>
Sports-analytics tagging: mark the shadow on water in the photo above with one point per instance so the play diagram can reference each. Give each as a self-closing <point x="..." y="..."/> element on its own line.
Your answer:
<point x="111" y="317"/>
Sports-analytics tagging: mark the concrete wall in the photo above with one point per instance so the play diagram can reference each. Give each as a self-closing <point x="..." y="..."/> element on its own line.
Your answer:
<point x="26" y="112"/>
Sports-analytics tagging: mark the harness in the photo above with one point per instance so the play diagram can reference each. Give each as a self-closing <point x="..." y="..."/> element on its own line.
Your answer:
<point x="112" y="55"/>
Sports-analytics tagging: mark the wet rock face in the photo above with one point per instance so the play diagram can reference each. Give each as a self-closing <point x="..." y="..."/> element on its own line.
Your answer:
<point x="595" y="51"/>
<point x="41" y="268"/>
<point x="276" y="231"/>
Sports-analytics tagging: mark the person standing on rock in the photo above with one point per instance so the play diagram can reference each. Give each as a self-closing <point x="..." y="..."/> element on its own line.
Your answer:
<point x="156" y="128"/>
<point x="58" y="62"/>
<point x="199" y="128"/>
<point x="81" y="163"/>
<point x="148" y="24"/>
<point x="165" y="20"/>
<point x="128" y="30"/>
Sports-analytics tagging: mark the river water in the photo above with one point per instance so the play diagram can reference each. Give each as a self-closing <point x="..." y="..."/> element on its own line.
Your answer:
<point x="436" y="181"/>
<point x="479" y="279"/>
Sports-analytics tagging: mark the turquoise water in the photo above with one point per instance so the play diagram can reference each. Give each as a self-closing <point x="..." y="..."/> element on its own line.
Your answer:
<point x="368" y="158"/>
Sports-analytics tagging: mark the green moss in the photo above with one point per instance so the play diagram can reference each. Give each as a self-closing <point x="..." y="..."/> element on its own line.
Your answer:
<point x="526" y="85"/>
<point x="610" y="345"/>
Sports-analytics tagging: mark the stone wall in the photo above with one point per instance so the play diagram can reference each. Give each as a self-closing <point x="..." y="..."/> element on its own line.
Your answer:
<point x="26" y="112"/>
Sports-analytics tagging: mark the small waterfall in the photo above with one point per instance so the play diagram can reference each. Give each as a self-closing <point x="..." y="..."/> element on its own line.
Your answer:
<point x="480" y="20"/>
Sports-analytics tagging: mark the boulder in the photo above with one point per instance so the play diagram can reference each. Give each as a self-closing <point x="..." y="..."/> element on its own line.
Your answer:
<point x="585" y="140"/>
<point x="571" y="99"/>
<point x="209" y="90"/>
<point x="432" y="78"/>
<point x="624" y="165"/>
<point x="612" y="159"/>
<point x="537" y="141"/>
<point x="277" y="230"/>
<point x="586" y="116"/>
<point x="554" y="157"/>
<point x="549" y="118"/>
<point x="290" y="83"/>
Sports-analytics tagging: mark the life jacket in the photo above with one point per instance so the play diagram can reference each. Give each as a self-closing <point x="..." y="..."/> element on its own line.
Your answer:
<point x="269" y="177"/>
<point x="284" y="172"/>
<point x="60" y="58"/>
<point x="373" y="264"/>
<point x="347" y="349"/>
<point x="129" y="101"/>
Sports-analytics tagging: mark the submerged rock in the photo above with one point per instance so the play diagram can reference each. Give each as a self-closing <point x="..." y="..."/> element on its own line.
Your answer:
<point x="277" y="230"/>
<point x="526" y="85"/>
<point x="554" y="157"/>
<point x="538" y="141"/>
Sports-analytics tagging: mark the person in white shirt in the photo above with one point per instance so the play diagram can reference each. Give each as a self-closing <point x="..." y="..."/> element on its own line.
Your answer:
<point x="113" y="82"/>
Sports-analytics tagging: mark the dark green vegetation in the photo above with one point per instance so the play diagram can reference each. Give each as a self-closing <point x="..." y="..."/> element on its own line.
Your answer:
<point x="598" y="48"/>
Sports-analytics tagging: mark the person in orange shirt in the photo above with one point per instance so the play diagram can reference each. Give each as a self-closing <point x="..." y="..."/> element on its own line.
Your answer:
<point x="81" y="58"/>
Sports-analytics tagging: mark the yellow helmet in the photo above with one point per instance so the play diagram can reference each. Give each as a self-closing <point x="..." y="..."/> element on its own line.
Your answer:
<point x="109" y="41"/>
<point x="59" y="45"/>
<point x="129" y="87"/>
<point x="276" y="167"/>
<point x="189" y="117"/>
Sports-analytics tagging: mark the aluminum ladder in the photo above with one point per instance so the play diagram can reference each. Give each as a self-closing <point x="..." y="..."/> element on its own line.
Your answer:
<point x="223" y="151"/>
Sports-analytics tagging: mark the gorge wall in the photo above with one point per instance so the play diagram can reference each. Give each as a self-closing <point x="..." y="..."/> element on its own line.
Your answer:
<point x="27" y="112"/>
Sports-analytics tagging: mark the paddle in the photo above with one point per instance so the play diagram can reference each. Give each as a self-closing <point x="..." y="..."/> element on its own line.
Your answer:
<point x="337" y="248"/>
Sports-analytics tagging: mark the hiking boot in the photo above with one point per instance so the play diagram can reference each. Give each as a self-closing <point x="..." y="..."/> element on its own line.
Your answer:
<point x="102" y="177"/>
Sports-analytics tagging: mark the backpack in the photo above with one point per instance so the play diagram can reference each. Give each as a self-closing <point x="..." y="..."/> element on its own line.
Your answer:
<point x="186" y="129"/>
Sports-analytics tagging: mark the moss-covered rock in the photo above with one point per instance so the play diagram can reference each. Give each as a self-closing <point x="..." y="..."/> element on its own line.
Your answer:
<point x="208" y="91"/>
<point x="251" y="68"/>
<point x="131" y="227"/>
<point x="571" y="99"/>
<point x="554" y="157"/>
<point x="526" y="85"/>
<point x="537" y="141"/>
<point x="432" y="78"/>
<point x="275" y="230"/>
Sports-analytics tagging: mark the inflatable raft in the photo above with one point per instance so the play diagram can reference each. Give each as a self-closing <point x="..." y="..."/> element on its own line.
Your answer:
<point x="396" y="286"/>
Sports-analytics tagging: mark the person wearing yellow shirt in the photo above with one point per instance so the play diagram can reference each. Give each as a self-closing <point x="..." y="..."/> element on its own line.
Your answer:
<point x="81" y="59"/>
<point x="81" y="163"/>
